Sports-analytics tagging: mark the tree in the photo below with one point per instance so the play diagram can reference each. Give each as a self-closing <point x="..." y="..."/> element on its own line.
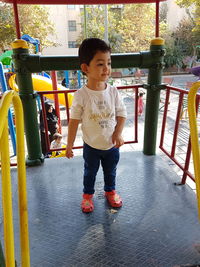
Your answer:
<point x="193" y="10"/>
<point x="33" y="21"/>
<point x="180" y="44"/>
<point x="187" y="3"/>
<point x="186" y="37"/>
<point x="131" y="27"/>
<point x="95" y="25"/>
<point x="137" y="27"/>
<point x="173" y="56"/>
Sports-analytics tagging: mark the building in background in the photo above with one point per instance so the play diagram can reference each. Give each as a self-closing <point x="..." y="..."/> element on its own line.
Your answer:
<point x="174" y="14"/>
<point x="67" y="21"/>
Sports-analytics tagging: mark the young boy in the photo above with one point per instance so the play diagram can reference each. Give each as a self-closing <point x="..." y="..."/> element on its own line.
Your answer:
<point x="57" y="141"/>
<point x="98" y="107"/>
<point x="56" y="144"/>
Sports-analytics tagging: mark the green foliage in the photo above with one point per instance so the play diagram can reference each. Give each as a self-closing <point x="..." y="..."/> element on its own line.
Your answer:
<point x="184" y="36"/>
<point x="33" y="21"/>
<point x="196" y="28"/>
<point x="130" y="28"/>
<point x="194" y="13"/>
<point x="137" y="27"/>
<point x="173" y="56"/>
<point x="95" y="25"/>
<point x="187" y="3"/>
<point x="182" y="42"/>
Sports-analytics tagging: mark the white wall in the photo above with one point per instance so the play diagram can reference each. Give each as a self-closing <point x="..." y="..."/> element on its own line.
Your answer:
<point x="175" y="14"/>
<point x="59" y="15"/>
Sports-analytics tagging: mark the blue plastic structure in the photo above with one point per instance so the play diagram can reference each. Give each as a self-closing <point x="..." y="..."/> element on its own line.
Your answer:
<point x="31" y="40"/>
<point x="79" y="78"/>
<point x="10" y="118"/>
<point x="67" y="78"/>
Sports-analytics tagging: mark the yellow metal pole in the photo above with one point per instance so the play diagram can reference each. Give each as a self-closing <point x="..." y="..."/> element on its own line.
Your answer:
<point x="194" y="137"/>
<point x="22" y="195"/>
<point x="7" y="199"/>
<point x="5" y="102"/>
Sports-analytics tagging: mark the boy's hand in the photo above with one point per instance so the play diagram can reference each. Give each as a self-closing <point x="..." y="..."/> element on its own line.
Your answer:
<point x="69" y="153"/>
<point x="117" y="139"/>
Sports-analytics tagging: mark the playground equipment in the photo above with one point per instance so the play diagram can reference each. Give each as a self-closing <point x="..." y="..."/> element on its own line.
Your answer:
<point x="8" y="98"/>
<point x="10" y="117"/>
<point x="33" y="41"/>
<point x="58" y="155"/>
<point x="67" y="79"/>
<point x="194" y="136"/>
<point x="41" y="83"/>
<point x="6" y="57"/>
<point x="153" y="85"/>
<point x="153" y="60"/>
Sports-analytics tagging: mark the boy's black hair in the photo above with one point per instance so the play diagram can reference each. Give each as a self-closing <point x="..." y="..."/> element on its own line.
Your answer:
<point x="89" y="48"/>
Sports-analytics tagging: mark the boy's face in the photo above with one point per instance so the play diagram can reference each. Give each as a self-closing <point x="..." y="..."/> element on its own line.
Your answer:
<point x="58" y="140"/>
<point x="99" y="68"/>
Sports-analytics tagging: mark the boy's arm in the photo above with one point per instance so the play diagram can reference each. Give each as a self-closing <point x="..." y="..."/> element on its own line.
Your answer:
<point x="72" y="130"/>
<point x="117" y="138"/>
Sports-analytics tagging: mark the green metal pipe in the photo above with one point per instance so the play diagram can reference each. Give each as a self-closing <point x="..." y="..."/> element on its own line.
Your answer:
<point x="2" y="259"/>
<point x="28" y="98"/>
<point x="153" y="96"/>
<point x="141" y="60"/>
<point x="37" y="63"/>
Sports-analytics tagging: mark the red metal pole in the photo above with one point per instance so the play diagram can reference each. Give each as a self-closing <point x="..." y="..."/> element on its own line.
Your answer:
<point x="16" y="19"/>
<point x="177" y="121"/>
<point x="187" y="163"/>
<point x="136" y="114"/>
<point x="157" y="19"/>
<point x="164" y="118"/>
<point x="44" y="116"/>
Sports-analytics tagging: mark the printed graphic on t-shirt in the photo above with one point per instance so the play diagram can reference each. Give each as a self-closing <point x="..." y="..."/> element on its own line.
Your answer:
<point x="102" y="114"/>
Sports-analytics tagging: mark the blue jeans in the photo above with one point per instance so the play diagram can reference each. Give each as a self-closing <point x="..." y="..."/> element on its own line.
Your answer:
<point x="92" y="158"/>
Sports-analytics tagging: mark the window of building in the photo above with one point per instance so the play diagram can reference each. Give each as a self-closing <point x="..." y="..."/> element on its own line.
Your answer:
<point x="72" y="44"/>
<point x="72" y="25"/>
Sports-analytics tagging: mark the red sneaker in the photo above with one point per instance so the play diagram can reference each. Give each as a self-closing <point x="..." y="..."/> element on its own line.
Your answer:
<point x="87" y="203"/>
<point x="114" y="199"/>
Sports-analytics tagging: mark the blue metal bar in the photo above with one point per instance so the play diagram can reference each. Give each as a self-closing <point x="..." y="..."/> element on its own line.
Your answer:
<point x="10" y="118"/>
<point x="67" y="78"/>
<point x="79" y="78"/>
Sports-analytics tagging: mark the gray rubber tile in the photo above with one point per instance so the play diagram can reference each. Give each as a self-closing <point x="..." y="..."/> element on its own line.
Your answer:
<point x="156" y="227"/>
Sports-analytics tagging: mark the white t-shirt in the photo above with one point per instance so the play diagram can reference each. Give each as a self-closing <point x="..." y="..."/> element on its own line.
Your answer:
<point x="55" y="144"/>
<point x="97" y="111"/>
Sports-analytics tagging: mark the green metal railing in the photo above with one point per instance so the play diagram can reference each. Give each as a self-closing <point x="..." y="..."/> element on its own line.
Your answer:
<point x="26" y="64"/>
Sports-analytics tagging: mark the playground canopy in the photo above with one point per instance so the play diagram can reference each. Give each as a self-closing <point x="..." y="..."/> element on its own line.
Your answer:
<point x="79" y="2"/>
